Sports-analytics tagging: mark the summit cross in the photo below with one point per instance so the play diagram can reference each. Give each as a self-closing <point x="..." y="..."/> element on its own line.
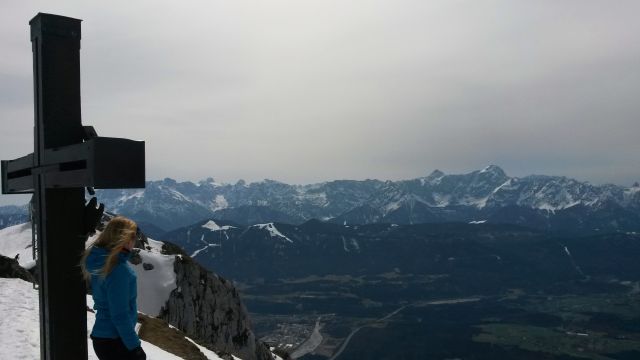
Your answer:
<point x="67" y="158"/>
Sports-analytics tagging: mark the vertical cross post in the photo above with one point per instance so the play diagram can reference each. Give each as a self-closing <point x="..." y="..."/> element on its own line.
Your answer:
<point x="59" y="224"/>
<point x="66" y="158"/>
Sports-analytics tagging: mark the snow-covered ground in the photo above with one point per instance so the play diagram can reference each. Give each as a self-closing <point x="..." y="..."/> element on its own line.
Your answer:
<point x="19" y="314"/>
<point x="16" y="241"/>
<point x="20" y="329"/>
<point x="154" y="285"/>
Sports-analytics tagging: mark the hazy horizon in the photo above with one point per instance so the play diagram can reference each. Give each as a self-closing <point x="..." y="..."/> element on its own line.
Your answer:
<point x="23" y="199"/>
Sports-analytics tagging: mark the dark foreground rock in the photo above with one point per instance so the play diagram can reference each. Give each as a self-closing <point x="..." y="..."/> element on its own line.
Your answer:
<point x="9" y="268"/>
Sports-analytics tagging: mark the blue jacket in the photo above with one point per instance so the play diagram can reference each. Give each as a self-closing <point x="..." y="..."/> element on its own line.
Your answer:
<point x="114" y="298"/>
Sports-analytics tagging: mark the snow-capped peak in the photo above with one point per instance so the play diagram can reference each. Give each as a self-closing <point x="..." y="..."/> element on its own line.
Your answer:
<point x="493" y="169"/>
<point x="435" y="174"/>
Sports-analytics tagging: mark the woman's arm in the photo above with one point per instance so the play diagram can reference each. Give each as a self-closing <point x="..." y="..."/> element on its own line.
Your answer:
<point x="117" y="286"/>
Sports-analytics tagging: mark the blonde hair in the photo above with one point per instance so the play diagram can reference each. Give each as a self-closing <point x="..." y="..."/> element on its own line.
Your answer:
<point x="118" y="232"/>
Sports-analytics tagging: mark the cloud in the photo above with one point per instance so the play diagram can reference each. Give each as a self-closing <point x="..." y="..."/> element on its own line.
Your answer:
<point x="317" y="90"/>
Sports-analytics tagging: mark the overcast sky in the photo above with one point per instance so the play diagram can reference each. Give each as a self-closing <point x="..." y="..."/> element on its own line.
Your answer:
<point x="307" y="91"/>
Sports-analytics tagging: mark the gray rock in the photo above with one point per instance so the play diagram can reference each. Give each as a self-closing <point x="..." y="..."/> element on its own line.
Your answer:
<point x="208" y="309"/>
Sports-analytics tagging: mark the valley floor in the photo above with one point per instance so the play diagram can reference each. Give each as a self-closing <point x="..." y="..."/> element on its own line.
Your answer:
<point x="511" y="325"/>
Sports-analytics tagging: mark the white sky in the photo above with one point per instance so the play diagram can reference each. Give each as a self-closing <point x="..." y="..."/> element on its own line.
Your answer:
<point x="307" y="91"/>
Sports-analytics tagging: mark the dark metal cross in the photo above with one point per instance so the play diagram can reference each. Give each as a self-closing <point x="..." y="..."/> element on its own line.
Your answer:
<point x="67" y="158"/>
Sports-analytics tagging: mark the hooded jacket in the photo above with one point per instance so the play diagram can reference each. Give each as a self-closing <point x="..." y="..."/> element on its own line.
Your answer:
<point x="115" y="298"/>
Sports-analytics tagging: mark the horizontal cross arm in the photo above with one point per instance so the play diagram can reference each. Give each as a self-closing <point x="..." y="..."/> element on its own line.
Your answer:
<point x="17" y="176"/>
<point x="100" y="162"/>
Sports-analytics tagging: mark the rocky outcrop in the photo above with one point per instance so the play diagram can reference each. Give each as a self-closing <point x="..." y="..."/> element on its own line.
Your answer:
<point x="10" y="268"/>
<point x="208" y="309"/>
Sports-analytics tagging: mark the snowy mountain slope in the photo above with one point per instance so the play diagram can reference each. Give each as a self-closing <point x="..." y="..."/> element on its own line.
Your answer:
<point x="15" y="241"/>
<point x="19" y="325"/>
<point x="154" y="285"/>
<point x="177" y="290"/>
<point x="438" y="197"/>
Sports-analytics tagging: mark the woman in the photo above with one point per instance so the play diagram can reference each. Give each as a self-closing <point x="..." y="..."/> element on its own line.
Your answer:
<point x="113" y="285"/>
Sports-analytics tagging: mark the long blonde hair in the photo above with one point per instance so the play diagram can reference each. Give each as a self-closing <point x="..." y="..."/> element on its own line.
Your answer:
<point x="118" y="232"/>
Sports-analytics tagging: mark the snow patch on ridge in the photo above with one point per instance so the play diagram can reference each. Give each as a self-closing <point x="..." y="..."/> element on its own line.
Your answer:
<point x="135" y="195"/>
<point x="219" y="203"/>
<point x="155" y="285"/>
<point x="195" y="253"/>
<point x="16" y="241"/>
<point x="211" y="225"/>
<point x="273" y="232"/>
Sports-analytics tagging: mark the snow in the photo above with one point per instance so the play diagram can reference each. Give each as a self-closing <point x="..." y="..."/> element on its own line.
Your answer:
<point x="20" y="327"/>
<point x="126" y="197"/>
<point x="208" y="353"/>
<point x="220" y="203"/>
<point x="155" y="285"/>
<point x="479" y="203"/>
<point x="16" y="240"/>
<point x="477" y="222"/>
<point x="272" y="231"/>
<point x="195" y="253"/>
<point x="19" y="320"/>
<point x="350" y="244"/>
<point x="553" y="208"/>
<point x="155" y="246"/>
<point x="211" y="225"/>
<point x="486" y="169"/>
<point x="175" y="193"/>
<point x="506" y="183"/>
<point x="441" y="200"/>
<point x="392" y="206"/>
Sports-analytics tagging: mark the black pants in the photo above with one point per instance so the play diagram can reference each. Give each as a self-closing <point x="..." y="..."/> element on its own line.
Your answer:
<point x="110" y="349"/>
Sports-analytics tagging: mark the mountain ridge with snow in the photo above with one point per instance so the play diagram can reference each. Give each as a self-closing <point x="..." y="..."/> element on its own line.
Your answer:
<point x="550" y="203"/>
<point x="437" y="197"/>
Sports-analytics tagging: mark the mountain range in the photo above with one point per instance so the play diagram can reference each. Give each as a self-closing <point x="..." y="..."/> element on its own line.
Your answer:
<point x="549" y="203"/>
<point x="541" y="202"/>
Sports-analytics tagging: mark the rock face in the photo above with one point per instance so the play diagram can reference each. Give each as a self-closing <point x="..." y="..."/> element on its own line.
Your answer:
<point x="208" y="308"/>
<point x="9" y="268"/>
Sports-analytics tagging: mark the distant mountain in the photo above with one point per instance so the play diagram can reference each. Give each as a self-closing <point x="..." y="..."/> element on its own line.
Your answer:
<point x="13" y="215"/>
<point x="251" y="214"/>
<point x="549" y="203"/>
